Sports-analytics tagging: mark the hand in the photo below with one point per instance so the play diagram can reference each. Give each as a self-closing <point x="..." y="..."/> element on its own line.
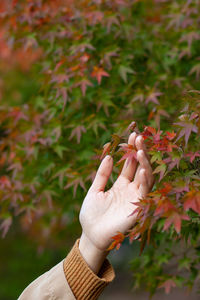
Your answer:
<point x="103" y="214"/>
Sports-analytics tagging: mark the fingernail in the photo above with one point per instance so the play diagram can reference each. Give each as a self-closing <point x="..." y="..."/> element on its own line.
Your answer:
<point x="108" y="157"/>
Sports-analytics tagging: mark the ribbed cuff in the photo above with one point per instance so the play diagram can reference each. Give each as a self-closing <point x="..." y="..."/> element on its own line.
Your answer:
<point x="84" y="283"/>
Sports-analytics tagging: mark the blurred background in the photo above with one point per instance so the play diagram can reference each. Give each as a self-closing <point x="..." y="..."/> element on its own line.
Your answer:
<point x="72" y="74"/>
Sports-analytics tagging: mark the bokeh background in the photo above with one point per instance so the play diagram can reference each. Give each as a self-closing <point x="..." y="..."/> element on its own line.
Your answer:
<point x="72" y="74"/>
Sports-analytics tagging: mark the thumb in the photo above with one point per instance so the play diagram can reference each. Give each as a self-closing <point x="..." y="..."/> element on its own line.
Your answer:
<point x="103" y="173"/>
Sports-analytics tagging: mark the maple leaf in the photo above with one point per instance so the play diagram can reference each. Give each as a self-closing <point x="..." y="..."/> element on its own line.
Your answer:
<point x="175" y="218"/>
<point x="160" y="112"/>
<point x="4" y="182"/>
<point x="130" y="153"/>
<point x="161" y="169"/>
<point x="167" y="187"/>
<point x="64" y="93"/>
<point x="77" y="132"/>
<point x="98" y="73"/>
<point x="138" y="97"/>
<point x="188" y="128"/>
<point x="192" y="155"/>
<point x="61" y="78"/>
<point x="107" y="58"/>
<point x="123" y="71"/>
<point x="170" y="135"/>
<point x="106" y="150"/>
<point x="5" y="225"/>
<point x="83" y="84"/>
<point x="75" y="183"/>
<point x="84" y="58"/>
<point x="153" y="97"/>
<point x="118" y="239"/>
<point x="167" y="285"/>
<point x="190" y="37"/>
<point x="195" y="69"/>
<point x="179" y="190"/>
<point x="17" y="115"/>
<point x="192" y="200"/>
<point x="115" y="142"/>
<point x="172" y="162"/>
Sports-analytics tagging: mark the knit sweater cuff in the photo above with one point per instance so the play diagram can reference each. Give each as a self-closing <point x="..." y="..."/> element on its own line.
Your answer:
<point x="84" y="283"/>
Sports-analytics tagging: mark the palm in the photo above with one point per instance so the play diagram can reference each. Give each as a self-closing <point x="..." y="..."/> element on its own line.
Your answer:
<point x="103" y="214"/>
<point x="110" y="212"/>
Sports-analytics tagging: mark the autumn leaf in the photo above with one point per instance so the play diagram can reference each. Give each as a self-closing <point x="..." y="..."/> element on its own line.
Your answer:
<point x="77" y="131"/>
<point x="195" y="69"/>
<point x="98" y="73"/>
<point x="106" y="150"/>
<point x="84" y="83"/>
<point x="192" y="200"/>
<point x="130" y="153"/>
<point x="170" y="135"/>
<point x="5" y="182"/>
<point x="175" y="219"/>
<point x="167" y="285"/>
<point x="118" y="239"/>
<point x="188" y="128"/>
<point x="164" y="191"/>
<point x="115" y="143"/>
<point x="5" y="225"/>
<point x="153" y="97"/>
<point x="192" y="155"/>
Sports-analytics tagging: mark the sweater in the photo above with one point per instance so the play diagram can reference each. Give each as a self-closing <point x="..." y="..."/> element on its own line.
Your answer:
<point x="70" y="279"/>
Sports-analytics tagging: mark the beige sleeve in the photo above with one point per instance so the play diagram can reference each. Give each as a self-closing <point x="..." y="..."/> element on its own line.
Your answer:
<point x="71" y="279"/>
<point x="52" y="285"/>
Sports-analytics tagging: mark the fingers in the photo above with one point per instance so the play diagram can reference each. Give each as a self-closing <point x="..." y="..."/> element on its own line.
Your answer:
<point x="128" y="170"/>
<point x="143" y="188"/>
<point x="103" y="173"/>
<point x="144" y="164"/>
<point x="140" y="145"/>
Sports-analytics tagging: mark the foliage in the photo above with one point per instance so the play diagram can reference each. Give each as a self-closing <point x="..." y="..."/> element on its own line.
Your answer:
<point x="74" y="74"/>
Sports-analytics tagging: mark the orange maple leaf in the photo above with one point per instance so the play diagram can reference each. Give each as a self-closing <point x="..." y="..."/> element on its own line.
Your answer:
<point x="98" y="73"/>
<point x="118" y="239"/>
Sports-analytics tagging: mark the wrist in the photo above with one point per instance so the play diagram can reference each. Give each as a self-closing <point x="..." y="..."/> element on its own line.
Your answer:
<point x="93" y="256"/>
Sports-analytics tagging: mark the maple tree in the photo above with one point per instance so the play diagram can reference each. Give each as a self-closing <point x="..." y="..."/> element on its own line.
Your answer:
<point x="80" y="74"/>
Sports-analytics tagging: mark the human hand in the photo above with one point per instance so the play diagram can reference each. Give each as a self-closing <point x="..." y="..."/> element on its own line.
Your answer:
<point x="104" y="213"/>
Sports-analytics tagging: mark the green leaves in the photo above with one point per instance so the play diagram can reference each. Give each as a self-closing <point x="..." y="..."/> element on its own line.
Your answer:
<point x="124" y="71"/>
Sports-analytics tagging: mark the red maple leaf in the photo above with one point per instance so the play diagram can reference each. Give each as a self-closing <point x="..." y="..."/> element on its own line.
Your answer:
<point x="98" y="73"/>
<point x="4" y="182"/>
<point x="170" y="135"/>
<point x="176" y="219"/>
<point x="192" y="200"/>
<point x="192" y="155"/>
<point x="118" y="239"/>
<point x="130" y="153"/>
<point x="167" y="187"/>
